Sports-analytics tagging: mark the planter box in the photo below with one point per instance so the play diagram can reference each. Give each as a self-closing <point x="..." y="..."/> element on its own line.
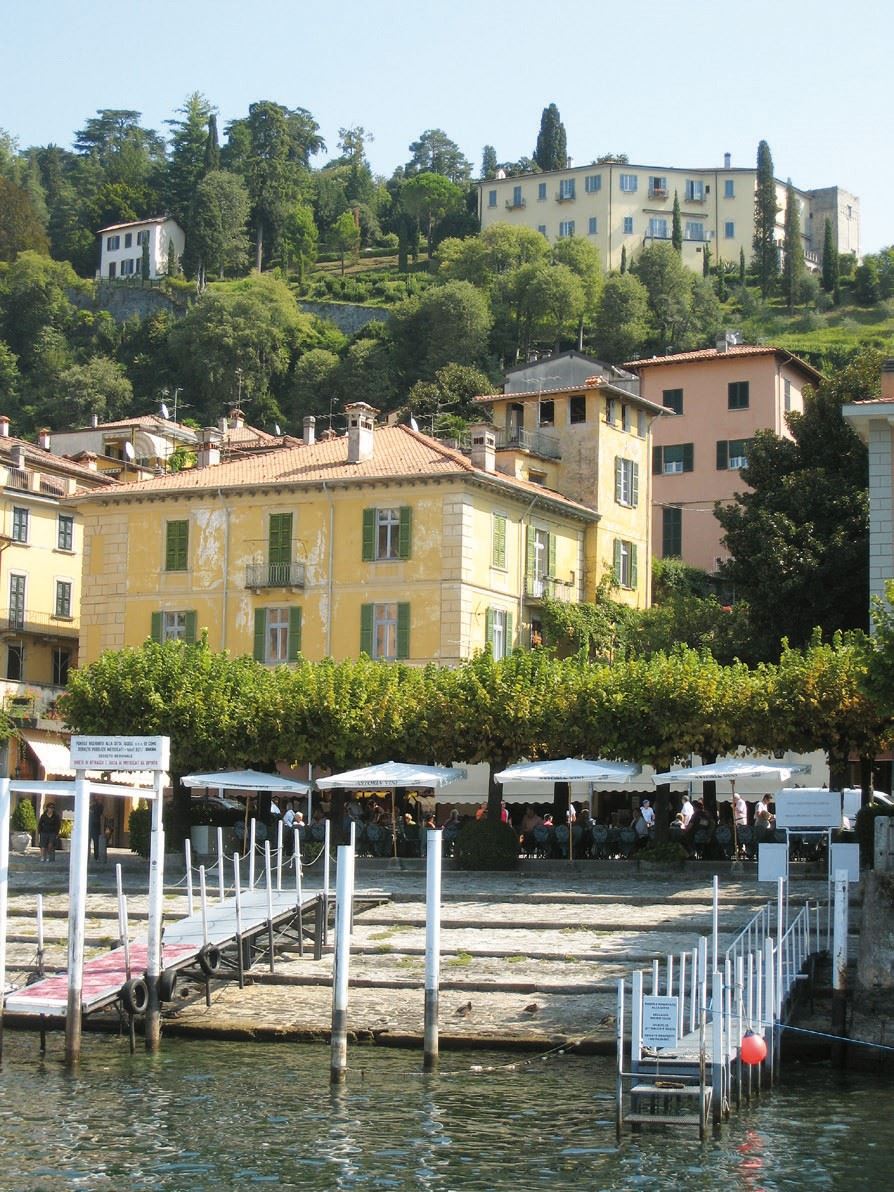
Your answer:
<point x="202" y="837"/>
<point x="19" y="842"/>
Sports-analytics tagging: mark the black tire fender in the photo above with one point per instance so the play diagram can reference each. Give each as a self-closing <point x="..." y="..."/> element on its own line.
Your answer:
<point x="134" y="995"/>
<point x="209" y="960"/>
<point x="167" y="983"/>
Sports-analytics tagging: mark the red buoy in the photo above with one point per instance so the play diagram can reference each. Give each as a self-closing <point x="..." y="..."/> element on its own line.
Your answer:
<point x="753" y="1049"/>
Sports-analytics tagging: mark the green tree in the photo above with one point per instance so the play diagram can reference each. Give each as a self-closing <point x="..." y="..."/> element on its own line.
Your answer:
<point x="766" y="255"/>
<point x="300" y="240"/>
<point x="429" y="197"/>
<point x="551" y="151"/>
<point x="793" y="270"/>
<point x="98" y="386"/>
<point x="186" y="162"/>
<point x="314" y="380"/>
<point x="484" y="259"/>
<point x="219" y="225"/>
<point x="488" y="162"/>
<point x="451" y="392"/>
<point x="867" y="282"/>
<point x="435" y="153"/>
<point x="212" y="145"/>
<point x="345" y="237"/>
<point x="677" y="225"/>
<point x="446" y="324"/>
<point x="9" y="375"/>
<point x="20" y="229"/>
<point x="798" y="536"/>
<point x="145" y="266"/>
<point x="830" y="259"/>
<point x="622" y="319"/>
<point x="549" y="302"/>
<point x="669" y="286"/>
<point x="742" y="273"/>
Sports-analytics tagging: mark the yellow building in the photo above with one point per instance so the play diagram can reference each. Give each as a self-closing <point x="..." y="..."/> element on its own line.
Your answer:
<point x="381" y="541"/>
<point x="619" y="206"/>
<point x="40" y="551"/>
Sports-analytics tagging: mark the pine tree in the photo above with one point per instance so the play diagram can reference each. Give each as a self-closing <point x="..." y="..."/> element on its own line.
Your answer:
<point x="721" y="282"/>
<point x="551" y="152"/>
<point x="742" y="272"/>
<point x="793" y="249"/>
<point x="766" y="258"/>
<point x="677" y="225"/>
<point x="830" y="260"/>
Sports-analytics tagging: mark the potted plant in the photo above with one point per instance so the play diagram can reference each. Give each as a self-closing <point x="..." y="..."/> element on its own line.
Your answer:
<point x="22" y="825"/>
<point x="63" y="841"/>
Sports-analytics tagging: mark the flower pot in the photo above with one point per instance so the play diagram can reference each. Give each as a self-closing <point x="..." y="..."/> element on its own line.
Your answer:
<point x="19" y="842"/>
<point x="63" y="844"/>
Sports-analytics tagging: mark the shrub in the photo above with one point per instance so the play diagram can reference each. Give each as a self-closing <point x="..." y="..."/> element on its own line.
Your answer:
<point x="23" y="818"/>
<point x="485" y="845"/>
<point x="140" y="828"/>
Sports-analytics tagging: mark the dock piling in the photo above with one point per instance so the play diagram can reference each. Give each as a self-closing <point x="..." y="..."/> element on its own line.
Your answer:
<point x="268" y="879"/>
<point x="252" y="834"/>
<point x="343" y="900"/>
<point x="221" y="876"/>
<point x="240" y="951"/>
<point x="432" y="947"/>
<point x="187" y="855"/>
<point x="77" y="897"/>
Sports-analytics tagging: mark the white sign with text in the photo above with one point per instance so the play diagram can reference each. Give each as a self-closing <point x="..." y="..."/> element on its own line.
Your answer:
<point x="659" y="1021"/>
<point x="121" y="753"/>
<point x="816" y="808"/>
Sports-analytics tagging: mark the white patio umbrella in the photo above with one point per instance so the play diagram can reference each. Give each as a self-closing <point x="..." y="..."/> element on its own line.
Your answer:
<point x="248" y="782"/>
<point x="569" y="769"/>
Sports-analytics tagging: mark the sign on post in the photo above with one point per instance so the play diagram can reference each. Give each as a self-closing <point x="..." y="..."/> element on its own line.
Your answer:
<point x="772" y="862"/>
<point x="808" y="808"/>
<point x="659" y="1021"/>
<point x="121" y="753"/>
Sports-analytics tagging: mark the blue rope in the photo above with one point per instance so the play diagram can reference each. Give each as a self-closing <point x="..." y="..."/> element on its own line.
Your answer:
<point x="803" y="1030"/>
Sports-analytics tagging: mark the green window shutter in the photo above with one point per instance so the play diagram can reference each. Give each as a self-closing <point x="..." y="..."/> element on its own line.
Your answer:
<point x="633" y="565"/>
<point x="634" y="487"/>
<point x="177" y="546"/>
<point x="366" y="629"/>
<point x="260" y="651"/>
<point x="489" y="627"/>
<point x="280" y="538"/>
<point x="616" y="564"/>
<point x="499" y="545"/>
<point x="403" y="631"/>
<point x="619" y="484"/>
<point x="529" y="561"/>
<point x="722" y="455"/>
<point x="688" y="457"/>
<point x="406" y="524"/>
<point x="294" y="633"/>
<point x="509" y="633"/>
<point x="156" y="627"/>
<point x="369" y="535"/>
<point x="191" y="619"/>
<point x="657" y="462"/>
<point x="552" y="555"/>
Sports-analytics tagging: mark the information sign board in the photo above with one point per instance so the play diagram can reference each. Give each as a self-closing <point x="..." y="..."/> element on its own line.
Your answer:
<point x="121" y="753"/>
<point x="816" y="808"/>
<point x="772" y="862"/>
<point x="845" y="856"/>
<point x="659" y="1021"/>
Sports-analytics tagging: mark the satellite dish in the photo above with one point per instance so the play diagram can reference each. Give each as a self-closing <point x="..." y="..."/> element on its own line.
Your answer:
<point x="276" y="429"/>
<point x="129" y="452"/>
<point x="414" y="425"/>
<point x="164" y="411"/>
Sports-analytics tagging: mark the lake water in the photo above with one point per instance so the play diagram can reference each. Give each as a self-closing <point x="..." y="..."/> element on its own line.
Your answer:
<point x="202" y="1116"/>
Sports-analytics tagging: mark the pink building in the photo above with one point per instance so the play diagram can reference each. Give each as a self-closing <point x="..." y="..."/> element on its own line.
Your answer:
<point x="715" y="400"/>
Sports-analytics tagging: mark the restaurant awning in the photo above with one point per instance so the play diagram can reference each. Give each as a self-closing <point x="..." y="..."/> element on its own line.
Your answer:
<point x="569" y="769"/>
<point x="51" y="752"/>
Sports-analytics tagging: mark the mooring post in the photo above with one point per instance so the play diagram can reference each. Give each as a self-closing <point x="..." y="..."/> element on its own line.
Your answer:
<point x="77" y="899"/>
<point x="715" y="913"/>
<point x="432" y="947"/>
<point x="655" y="977"/>
<point x="40" y="944"/>
<point x="702" y="972"/>
<point x="4" y="894"/>
<point x="269" y="886"/>
<point x="636" y="1021"/>
<point x="693" y="986"/>
<point x="769" y="1010"/>
<point x="252" y="834"/>
<point x="619" y="1071"/>
<point x="681" y="1000"/>
<point x="187" y="856"/>
<point x="153" y="932"/>
<point x="839" y="968"/>
<point x="780" y="936"/>
<point x="717" y="1061"/>
<point x="759" y="1008"/>
<point x="343" y="895"/>
<point x="326" y="836"/>
<point x="279" y="840"/>
<point x="669" y="988"/>
<point x="238" y="901"/>
<point x="221" y="876"/>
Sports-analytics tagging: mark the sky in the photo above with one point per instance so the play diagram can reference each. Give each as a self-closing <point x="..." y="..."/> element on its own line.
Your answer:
<point x="670" y="85"/>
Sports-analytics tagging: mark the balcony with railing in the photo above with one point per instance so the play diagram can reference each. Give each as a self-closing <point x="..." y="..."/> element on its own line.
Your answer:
<point x="547" y="587"/>
<point x="514" y="204"/>
<point x="657" y="192"/>
<point x="31" y="705"/>
<point x="42" y="624"/>
<point x="25" y="480"/>
<point x="533" y="441"/>
<point x="274" y="575"/>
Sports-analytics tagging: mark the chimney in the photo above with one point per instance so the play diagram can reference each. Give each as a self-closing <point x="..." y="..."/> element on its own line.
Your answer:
<point x="209" y="449"/>
<point x="4" y="427"/>
<point x="361" y="427"/>
<point x="727" y="161"/>
<point x="310" y="430"/>
<point x="43" y="438"/>
<point x="237" y="420"/>
<point x="887" y="379"/>
<point x="722" y="342"/>
<point x="484" y="447"/>
<point x="94" y="420"/>
<point x="88" y="459"/>
<point x="222" y="425"/>
<point x="18" y="457"/>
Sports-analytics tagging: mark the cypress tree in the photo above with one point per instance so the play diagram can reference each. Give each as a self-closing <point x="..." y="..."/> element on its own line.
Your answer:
<point x="721" y="282"/>
<point x="144" y="261"/>
<point x="830" y="260"/>
<point x="551" y="152"/>
<point x="742" y="273"/>
<point x="623" y="258"/>
<point x="793" y="249"/>
<point x="766" y="259"/>
<point x="706" y="261"/>
<point x="677" y="225"/>
<point x="488" y="162"/>
<point x="212" y="148"/>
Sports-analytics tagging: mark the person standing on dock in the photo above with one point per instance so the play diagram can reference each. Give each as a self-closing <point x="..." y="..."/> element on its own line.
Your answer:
<point x="48" y="828"/>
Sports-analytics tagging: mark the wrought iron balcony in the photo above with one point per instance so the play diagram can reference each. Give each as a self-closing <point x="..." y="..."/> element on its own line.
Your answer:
<point x="274" y="575"/>
<point x="529" y="440"/>
<point x="512" y="204"/>
<point x="547" y="587"/>
<point x="45" y="624"/>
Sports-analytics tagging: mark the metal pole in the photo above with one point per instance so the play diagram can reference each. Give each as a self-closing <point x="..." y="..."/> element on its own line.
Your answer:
<point x="839" y="964"/>
<point x="780" y="935"/>
<point x="299" y="894"/>
<point x="769" y="1007"/>
<point x="619" y="1076"/>
<point x="326" y="835"/>
<point x="77" y="895"/>
<point x="636" y="1021"/>
<point x="681" y="1001"/>
<point x="152" y="1026"/>
<point x="702" y="972"/>
<point x="655" y="989"/>
<point x="4" y="894"/>
<point x="669" y="989"/>
<point x="40" y="944"/>
<point x="238" y="898"/>
<point x="268" y="873"/>
<point x="432" y="947"/>
<point x="187" y="852"/>
<point x="717" y="1047"/>
<point x="339" y="1037"/>
<point x="221" y="876"/>
<point x="693" y="985"/>
<point x="252" y="833"/>
<point x="279" y="839"/>
<point x="715" y="909"/>
<point x="203" y="906"/>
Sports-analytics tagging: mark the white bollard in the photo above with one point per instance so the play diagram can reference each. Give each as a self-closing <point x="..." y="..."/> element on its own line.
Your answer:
<point x="780" y="935"/>
<point x="237" y="884"/>
<point x="432" y="947"/>
<point x="326" y="838"/>
<point x="4" y="892"/>
<point x="187" y="853"/>
<point x="77" y="896"/>
<point x="839" y="933"/>
<point x="655" y="978"/>
<point x="279" y="840"/>
<point x="681" y="1001"/>
<point x="339" y="1045"/>
<point x="152" y="1022"/>
<point x="715" y="914"/>
<point x="268" y="871"/>
<point x="221" y="876"/>
<point x="40" y="940"/>
<point x="204" y="906"/>
<point x="252" y="834"/>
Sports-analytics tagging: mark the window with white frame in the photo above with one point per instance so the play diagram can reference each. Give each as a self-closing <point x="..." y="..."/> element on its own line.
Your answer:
<point x="676" y="457"/>
<point x="277" y="635"/>
<point x="732" y="454"/>
<point x="65" y="532"/>
<point x="694" y="230"/>
<point x="658" y="228"/>
<point x="566" y="229"/>
<point x="625" y="563"/>
<point x="626" y="482"/>
<point x="63" y="598"/>
<point x="729" y="229"/>
<point x="628" y="225"/>
<point x="695" y="190"/>
<point x="592" y="183"/>
<point x="20" y="523"/>
<point x="499" y="632"/>
<point x="657" y="187"/>
<point x="628" y="183"/>
<point x="491" y="198"/>
<point x="384" y="642"/>
<point x="388" y="533"/>
<point x="174" y="627"/>
<point x="592" y="226"/>
<point x="729" y="188"/>
<point x="566" y="189"/>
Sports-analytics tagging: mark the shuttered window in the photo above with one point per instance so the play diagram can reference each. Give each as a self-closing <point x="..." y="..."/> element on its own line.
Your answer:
<point x="280" y="538"/>
<point x="177" y="546"/>
<point x="387" y="533"/>
<point x="174" y="626"/>
<point x="498" y="552"/>
<point x="385" y="631"/>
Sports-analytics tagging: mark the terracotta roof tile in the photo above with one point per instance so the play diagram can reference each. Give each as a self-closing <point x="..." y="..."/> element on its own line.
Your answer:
<point x="40" y="460"/>
<point x="733" y="350"/>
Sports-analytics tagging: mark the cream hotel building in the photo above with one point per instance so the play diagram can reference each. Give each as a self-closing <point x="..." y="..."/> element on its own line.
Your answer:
<point x="616" y="206"/>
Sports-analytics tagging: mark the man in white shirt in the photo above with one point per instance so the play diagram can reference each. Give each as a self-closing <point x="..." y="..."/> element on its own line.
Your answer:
<point x="647" y="813"/>
<point x="687" y="811"/>
<point x="740" y="810"/>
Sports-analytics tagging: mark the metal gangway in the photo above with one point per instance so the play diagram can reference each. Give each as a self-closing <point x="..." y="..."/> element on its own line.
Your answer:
<point x="685" y="1065"/>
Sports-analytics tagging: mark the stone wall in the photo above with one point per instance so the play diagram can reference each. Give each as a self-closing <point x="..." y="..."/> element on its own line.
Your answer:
<point x="347" y="316"/>
<point x="875" y="956"/>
